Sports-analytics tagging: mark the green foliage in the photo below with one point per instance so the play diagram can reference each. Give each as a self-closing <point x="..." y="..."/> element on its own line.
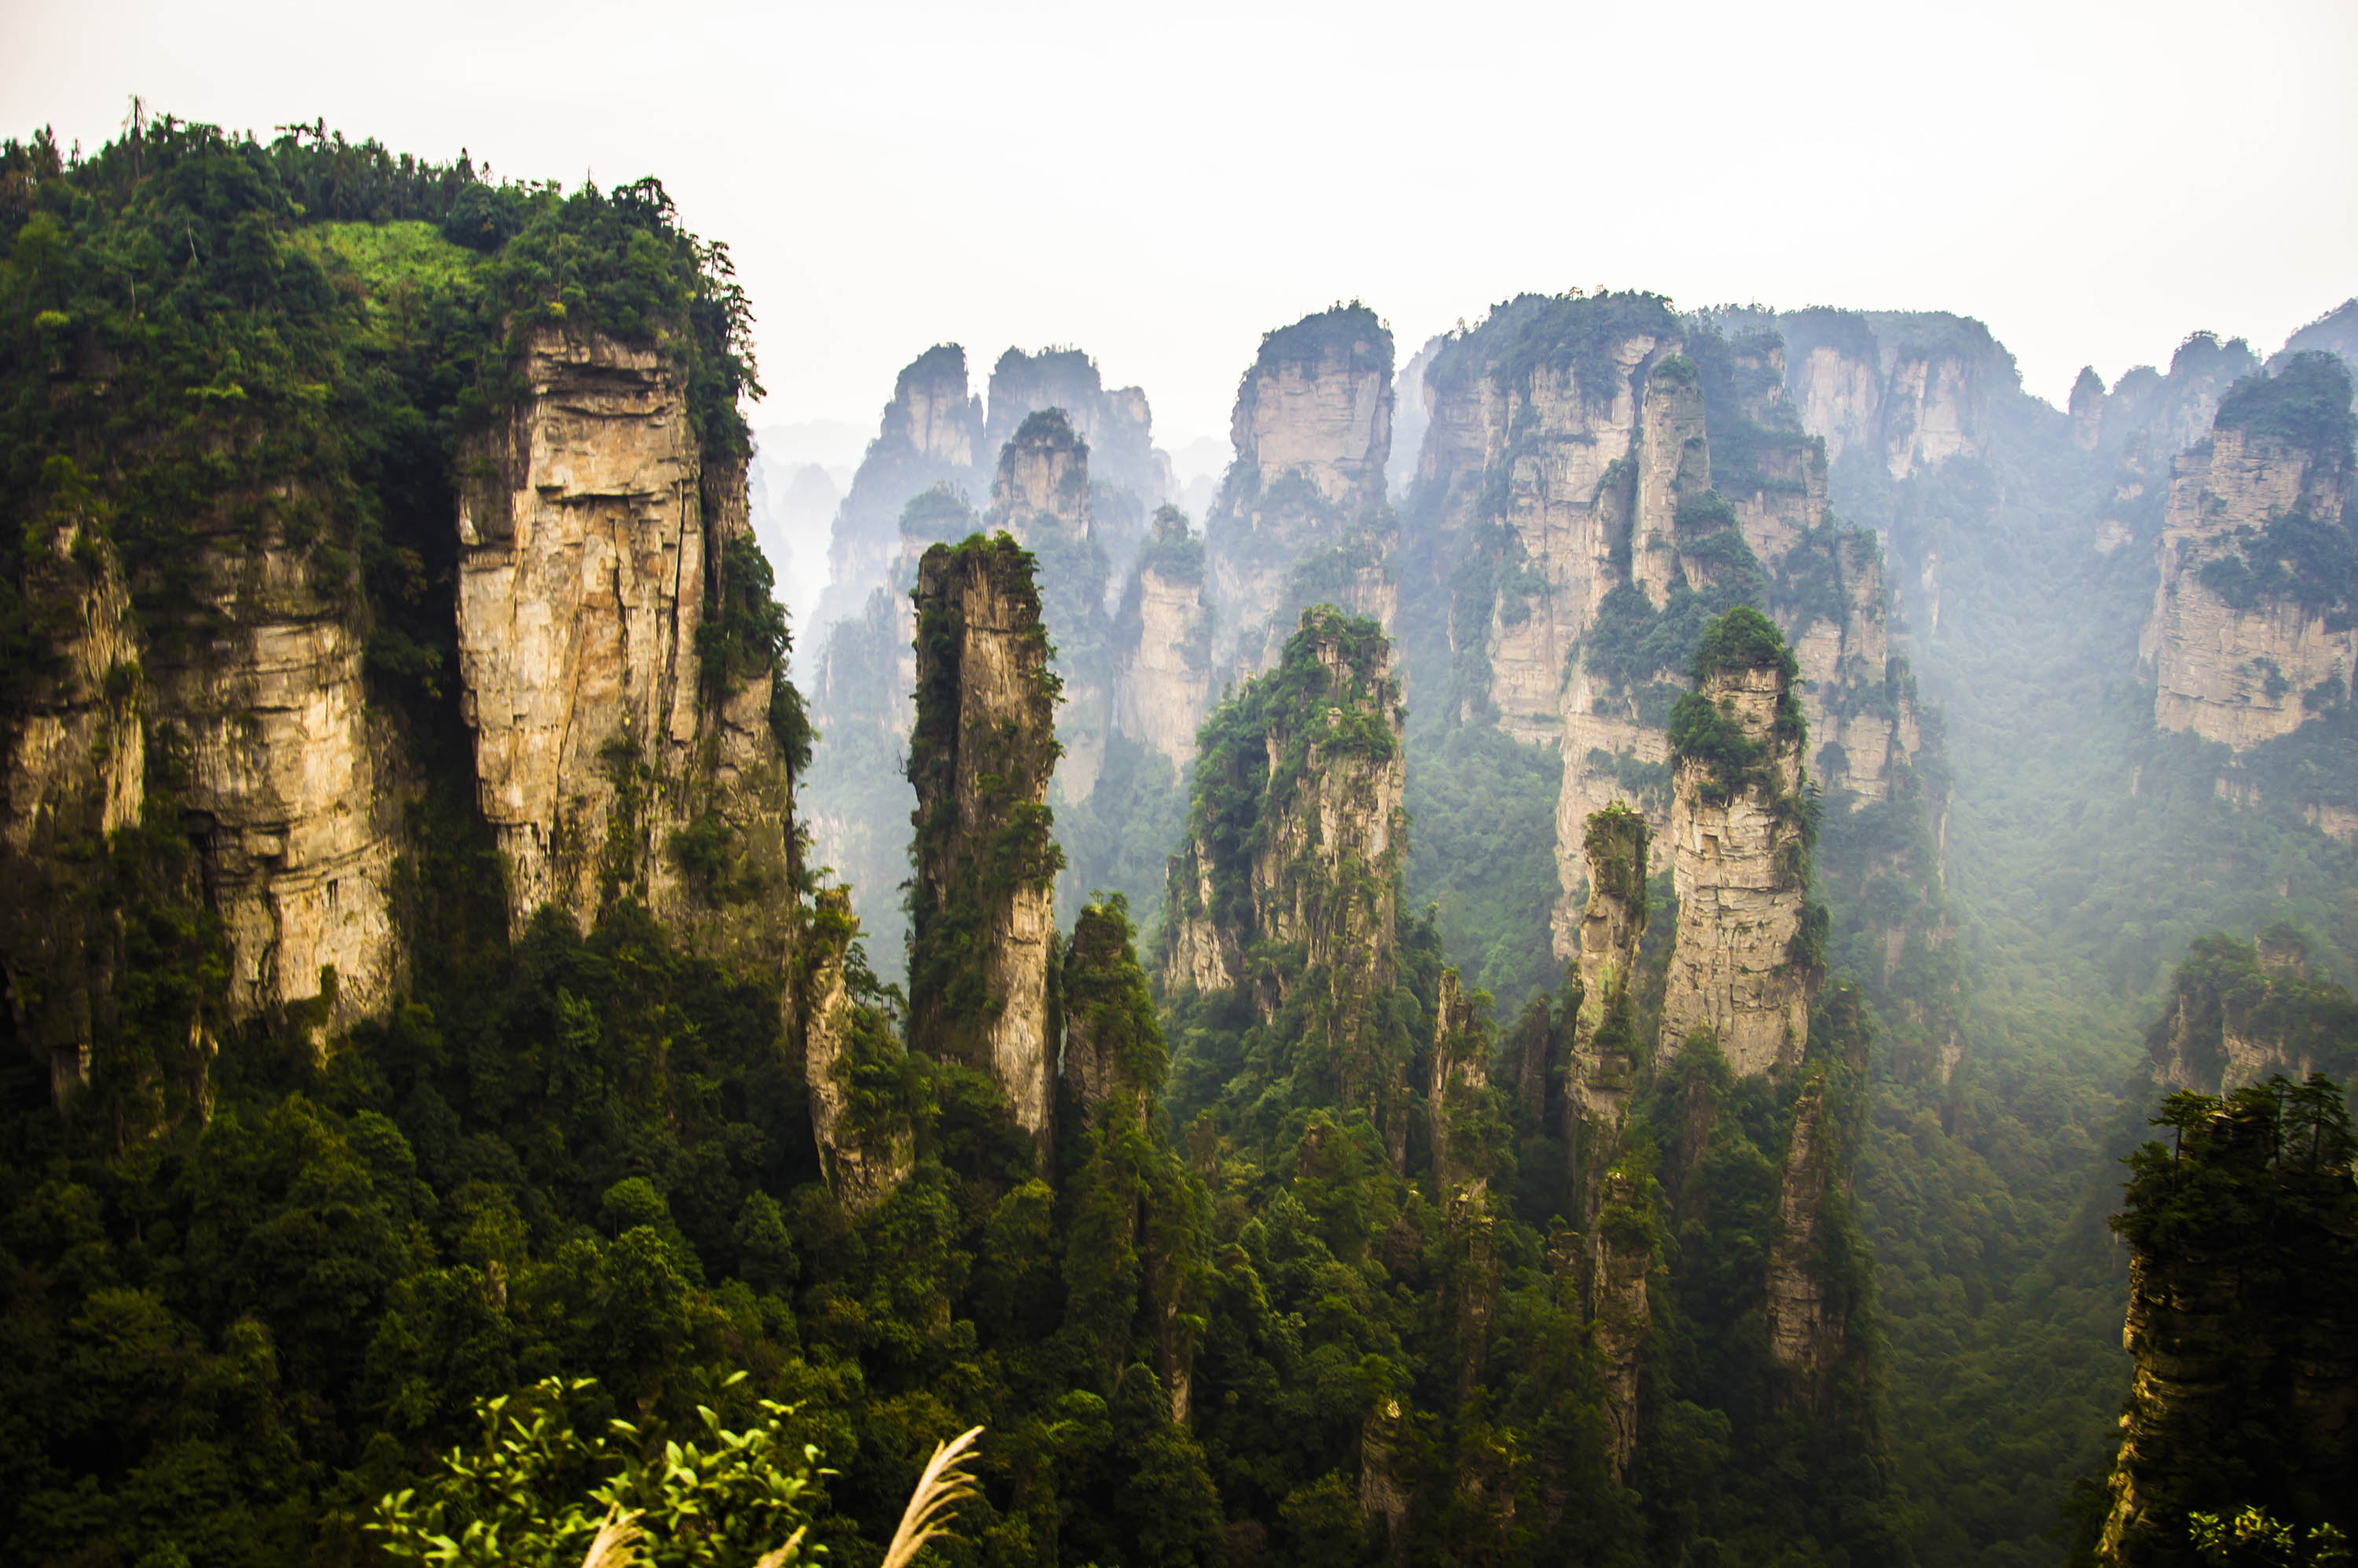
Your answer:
<point x="2305" y="404"/>
<point x="1349" y="335"/>
<point x="2253" y="1539"/>
<point x="536" y="1486"/>
<point x="1478" y="801"/>
<point x="1533" y="332"/>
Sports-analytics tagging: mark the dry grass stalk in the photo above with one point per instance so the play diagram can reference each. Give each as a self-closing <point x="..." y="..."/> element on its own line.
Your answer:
<point x="617" y="1541"/>
<point x="944" y="1485"/>
<point x="783" y="1554"/>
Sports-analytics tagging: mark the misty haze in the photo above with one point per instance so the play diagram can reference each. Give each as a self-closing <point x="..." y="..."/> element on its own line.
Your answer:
<point x="1237" y="788"/>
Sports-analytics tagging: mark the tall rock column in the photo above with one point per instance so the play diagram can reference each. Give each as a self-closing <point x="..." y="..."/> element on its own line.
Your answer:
<point x="865" y="1153"/>
<point x="1742" y="967"/>
<point x="1461" y="1176"/>
<point x="980" y="758"/>
<point x="1163" y="638"/>
<point x="1602" y="1071"/>
<point x="1300" y="517"/>
<point x="1296" y="841"/>
<point x="75" y="769"/>
<point x="1041" y="495"/>
<point x="620" y="653"/>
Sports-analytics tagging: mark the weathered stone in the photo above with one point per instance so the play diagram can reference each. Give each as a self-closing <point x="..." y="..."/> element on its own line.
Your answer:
<point x="2229" y="674"/>
<point x="980" y="758"/>
<point x="1163" y="682"/>
<point x="1737" y="860"/>
<point x="863" y="1165"/>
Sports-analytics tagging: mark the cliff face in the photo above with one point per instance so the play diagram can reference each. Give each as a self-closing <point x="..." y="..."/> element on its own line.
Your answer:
<point x="1739" y="967"/>
<point x="2245" y="638"/>
<point x="1301" y="517"/>
<point x="1909" y="390"/>
<point x="1163" y="639"/>
<point x="1805" y="1323"/>
<point x="980" y="758"/>
<point x="592" y="563"/>
<point x="1457" y="1100"/>
<point x="282" y="777"/>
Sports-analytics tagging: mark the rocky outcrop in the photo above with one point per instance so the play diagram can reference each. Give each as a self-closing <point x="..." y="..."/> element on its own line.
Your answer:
<point x="1301" y="517"/>
<point x="1910" y="389"/>
<point x="2245" y="638"/>
<point x="1296" y="843"/>
<point x="2242" y="1011"/>
<point x="1740" y="967"/>
<point x="1620" y="1264"/>
<point x="75" y="773"/>
<point x="864" y="1155"/>
<point x="980" y="759"/>
<point x="1163" y="643"/>
<point x="1805" y="1322"/>
<point x="2242" y="1273"/>
<point x="931" y="433"/>
<point x="1457" y="1100"/>
<point x="1127" y="477"/>
<point x="603" y="572"/>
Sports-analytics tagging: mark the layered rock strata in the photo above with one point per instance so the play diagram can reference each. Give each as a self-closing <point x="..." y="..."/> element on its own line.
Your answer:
<point x="980" y="758"/>
<point x="592" y="550"/>
<point x="1301" y="517"/>
<point x="1803" y="1320"/>
<point x="1738" y="862"/>
<point x="1620" y="1264"/>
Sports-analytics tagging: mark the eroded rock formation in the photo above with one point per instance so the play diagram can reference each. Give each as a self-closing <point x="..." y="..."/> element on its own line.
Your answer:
<point x="980" y="759"/>
<point x="594" y="607"/>
<point x="1301" y="517"/>
<point x="864" y="1156"/>
<point x="1162" y="640"/>
<point x="1042" y="496"/>
<point x="1297" y="840"/>
<point x="1740" y="967"/>
<point x="931" y="433"/>
<point x="2245" y="641"/>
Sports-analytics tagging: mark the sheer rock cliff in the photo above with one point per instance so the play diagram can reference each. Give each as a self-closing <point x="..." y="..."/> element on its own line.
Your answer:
<point x="1163" y="643"/>
<point x="591" y="550"/>
<point x="980" y="758"/>
<point x="2239" y="648"/>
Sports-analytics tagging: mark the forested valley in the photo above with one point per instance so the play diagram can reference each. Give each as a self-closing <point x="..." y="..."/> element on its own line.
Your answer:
<point x="1666" y="934"/>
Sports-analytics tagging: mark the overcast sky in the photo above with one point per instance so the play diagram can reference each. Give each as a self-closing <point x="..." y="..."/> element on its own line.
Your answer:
<point x="1161" y="184"/>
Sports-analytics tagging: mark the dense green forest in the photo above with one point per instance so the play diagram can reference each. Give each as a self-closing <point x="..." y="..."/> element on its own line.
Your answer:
<point x="1321" y="1257"/>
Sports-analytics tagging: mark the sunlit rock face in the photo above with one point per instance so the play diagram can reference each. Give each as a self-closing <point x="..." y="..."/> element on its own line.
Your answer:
<point x="1300" y="518"/>
<point x="590" y="551"/>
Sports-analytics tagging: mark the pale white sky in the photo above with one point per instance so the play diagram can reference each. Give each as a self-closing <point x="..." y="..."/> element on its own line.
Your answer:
<point x="1160" y="185"/>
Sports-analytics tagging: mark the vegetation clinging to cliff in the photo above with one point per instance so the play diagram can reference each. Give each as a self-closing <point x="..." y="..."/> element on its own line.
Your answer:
<point x="1535" y="331"/>
<point x="2306" y="402"/>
